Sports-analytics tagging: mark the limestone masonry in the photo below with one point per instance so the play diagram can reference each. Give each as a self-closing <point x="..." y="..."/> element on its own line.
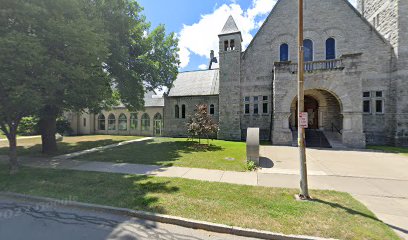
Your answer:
<point x="356" y="79"/>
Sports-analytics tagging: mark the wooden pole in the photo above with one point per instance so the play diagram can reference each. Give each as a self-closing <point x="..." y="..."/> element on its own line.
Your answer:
<point x="304" y="193"/>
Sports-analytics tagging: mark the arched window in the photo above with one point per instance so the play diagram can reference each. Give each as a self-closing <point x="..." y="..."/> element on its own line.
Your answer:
<point x="284" y="52"/>
<point x="212" y="109"/>
<point x="330" y="48"/>
<point x="133" y="121"/>
<point x="183" y="111"/>
<point x="145" y="122"/>
<point x="111" y="122"/>
<point x="101" y="122"/>
<point x="177" y="111"/>
<point x="122" y="122"/>
<point x="232" y="45"/>
<point x="308" y="50"/>
<point x="158" y="116"/>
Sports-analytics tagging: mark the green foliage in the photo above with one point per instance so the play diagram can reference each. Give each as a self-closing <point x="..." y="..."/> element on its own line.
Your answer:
<point x="201" y="124"/>
<point x="251" y="166"/>
<point x="21" y="61"/>
<point x="63" y="127"/>
<point x="140" y="59"/>
<point x="28" y="126"/>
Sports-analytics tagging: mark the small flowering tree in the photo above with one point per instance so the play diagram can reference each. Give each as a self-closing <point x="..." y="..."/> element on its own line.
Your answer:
<point x="201" y="124"/>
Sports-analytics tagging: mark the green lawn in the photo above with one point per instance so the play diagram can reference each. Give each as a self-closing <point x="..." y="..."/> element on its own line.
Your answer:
<point x="401" y="150"/>
<point x="222" y="155"/>
<point x="32" y="146"/>
<point x="332" y="214"/>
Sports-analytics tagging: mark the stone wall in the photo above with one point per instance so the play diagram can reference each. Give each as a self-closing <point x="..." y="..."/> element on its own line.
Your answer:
<point x="368" y="70"/>
<point x="176" y="127"/>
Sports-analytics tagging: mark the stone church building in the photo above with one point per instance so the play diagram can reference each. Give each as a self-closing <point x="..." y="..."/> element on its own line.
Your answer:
<point x="356" y="77"/>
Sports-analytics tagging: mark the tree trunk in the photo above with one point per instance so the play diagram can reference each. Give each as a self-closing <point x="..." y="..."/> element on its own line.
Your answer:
<point x="48" y="129"/>
<point x="12" y="138"/>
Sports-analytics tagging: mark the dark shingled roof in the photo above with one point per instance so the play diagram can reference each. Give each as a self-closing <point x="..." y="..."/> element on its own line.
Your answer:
<point x="197" y="83"/>
<point x="230" y="27"/>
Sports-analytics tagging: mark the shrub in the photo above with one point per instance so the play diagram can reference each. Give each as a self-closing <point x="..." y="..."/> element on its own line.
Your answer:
<point x="63" y="127"/>
<point x="28" y="126"/>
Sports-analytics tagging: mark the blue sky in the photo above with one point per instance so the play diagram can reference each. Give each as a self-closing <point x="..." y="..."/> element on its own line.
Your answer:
<point x="198" y="22"/>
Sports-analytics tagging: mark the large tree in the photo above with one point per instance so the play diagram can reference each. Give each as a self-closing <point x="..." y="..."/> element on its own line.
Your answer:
<point x="76" y="46"/>
<point x="139" y="60"/>
<point x="21" y="58"/>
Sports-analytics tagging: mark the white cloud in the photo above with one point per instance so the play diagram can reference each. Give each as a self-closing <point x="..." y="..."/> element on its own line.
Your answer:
<point x="202" y="67"/>
<point x="202" y="37"/>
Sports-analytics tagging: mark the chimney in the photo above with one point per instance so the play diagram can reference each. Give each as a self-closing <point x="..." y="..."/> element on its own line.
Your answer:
<point x="213" y="59"/>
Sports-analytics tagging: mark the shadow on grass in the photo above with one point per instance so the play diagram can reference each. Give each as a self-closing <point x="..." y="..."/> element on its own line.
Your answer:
<point x="63" y="148"/>
<point x="138" y="192"/>
<point x="154" y="152"/>
<point x="354" y="212"/>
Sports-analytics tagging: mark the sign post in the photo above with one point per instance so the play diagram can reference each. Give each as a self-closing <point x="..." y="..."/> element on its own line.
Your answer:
<point x="301" y="108"/>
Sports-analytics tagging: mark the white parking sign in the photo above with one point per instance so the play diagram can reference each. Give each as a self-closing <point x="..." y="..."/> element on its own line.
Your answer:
<point x="303" y="120"/>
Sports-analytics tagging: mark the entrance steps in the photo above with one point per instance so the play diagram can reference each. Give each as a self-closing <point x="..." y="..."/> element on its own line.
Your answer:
<point x="335" y="139"/>
<point x="314" y="139"/>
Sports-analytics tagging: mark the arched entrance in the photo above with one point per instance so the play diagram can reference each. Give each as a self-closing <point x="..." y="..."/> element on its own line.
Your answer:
<point x="325" y="118"/>
<point x="324" y="110"/>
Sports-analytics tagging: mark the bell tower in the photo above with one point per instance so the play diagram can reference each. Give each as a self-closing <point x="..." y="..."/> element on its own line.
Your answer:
<point x="230" y="47"/>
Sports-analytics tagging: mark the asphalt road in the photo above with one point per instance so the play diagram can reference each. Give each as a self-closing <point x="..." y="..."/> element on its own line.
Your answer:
<point x="37" y="221"/>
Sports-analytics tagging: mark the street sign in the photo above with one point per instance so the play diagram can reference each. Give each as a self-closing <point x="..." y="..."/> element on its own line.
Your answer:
<point x="303" y="120"/>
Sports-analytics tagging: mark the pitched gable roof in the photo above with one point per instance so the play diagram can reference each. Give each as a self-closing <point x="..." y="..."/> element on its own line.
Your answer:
<point x="197" y="83"/>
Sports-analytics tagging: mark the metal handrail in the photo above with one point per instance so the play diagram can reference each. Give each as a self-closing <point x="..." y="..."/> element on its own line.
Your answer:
<point x="337" y="129"/>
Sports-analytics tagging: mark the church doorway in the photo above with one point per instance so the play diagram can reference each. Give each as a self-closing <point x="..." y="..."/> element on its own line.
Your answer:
<point x="312" y="109"/>
<point x="324" y="111"/>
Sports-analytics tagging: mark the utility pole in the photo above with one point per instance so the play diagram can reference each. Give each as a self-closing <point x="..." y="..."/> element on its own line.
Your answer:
<point x="301" y="108"/>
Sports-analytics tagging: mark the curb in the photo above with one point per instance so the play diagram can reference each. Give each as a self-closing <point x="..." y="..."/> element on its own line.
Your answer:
<point x="183" y="222"/>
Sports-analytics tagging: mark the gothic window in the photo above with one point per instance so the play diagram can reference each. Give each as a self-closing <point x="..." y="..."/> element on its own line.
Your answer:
<point x="84" y="122"/>
<point x="330" y="49"/>
<point x="308" y="50"/>
<point x="177" y="111"/>
<point x="111" y="122"/>
<point x="145" y="122"/>
<point x="183" y="111"/>
<point x="101" y="122"/>
<point x="122" y="122"/>
<point x="212" y="109"/>
<point x="284" y="52"/>
<point x="133" y="121"/>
